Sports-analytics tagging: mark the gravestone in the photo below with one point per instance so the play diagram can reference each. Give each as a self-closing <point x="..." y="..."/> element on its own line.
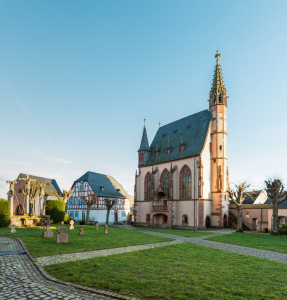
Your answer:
<point x="81" y="231"/>
<point x="62" y="237"/>
<point x="71" y="225"/>
<point x="97" y="226"/>
<point x="48" y="232"/>
<point x="13" y="230"/>
<point x="106" y="229"/>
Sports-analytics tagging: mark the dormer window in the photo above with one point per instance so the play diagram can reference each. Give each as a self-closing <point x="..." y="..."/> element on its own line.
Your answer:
<point x="175" y="131"/>
<point x="181" y="147"/>
<point x="163" y="135"/>
<point x="102" y="188"/>
<point x="156" y="153"/>
<point x="168" y="151"/>
<point x="188" y="127"/>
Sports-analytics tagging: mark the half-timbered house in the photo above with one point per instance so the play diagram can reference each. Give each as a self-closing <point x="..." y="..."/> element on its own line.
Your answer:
<point x="103" y="187"/>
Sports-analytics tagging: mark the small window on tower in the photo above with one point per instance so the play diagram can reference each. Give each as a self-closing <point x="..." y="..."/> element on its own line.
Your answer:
<point x="220" y="99"/>
<point x="220" y="147"/>
<point x="167" y="150"/>
<point x="214" y="99"/>
<point x="181" y="147"/>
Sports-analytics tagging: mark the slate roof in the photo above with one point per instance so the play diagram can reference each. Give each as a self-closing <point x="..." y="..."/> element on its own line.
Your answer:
<point x="144" y="143"/>
<point x="110" y="185"/>
<point x="191" y="130"/>
<point x="49" y="190"/>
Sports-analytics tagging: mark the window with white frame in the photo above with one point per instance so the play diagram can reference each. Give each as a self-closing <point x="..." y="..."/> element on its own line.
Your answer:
<point x="124" y="213"/>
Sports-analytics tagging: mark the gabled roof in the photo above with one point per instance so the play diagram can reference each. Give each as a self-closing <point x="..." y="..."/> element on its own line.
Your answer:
<point x="191" y="131"/>
<point x="103" y="185"/>
<point x="52" y="184"/>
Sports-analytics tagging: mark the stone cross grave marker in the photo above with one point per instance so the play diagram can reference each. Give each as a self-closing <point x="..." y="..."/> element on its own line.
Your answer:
<point x="48" y="232"/>
<point x="13" y="230"/>
<point x="71" y="225"/>
<point x="81" y="231"/>
<point x="62" y="237"/>
<point x="106" y="229"/>
<point x="97" y="226"/>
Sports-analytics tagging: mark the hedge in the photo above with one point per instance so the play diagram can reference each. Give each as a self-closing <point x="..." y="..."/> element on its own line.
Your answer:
<point x="56" y="209"/>
<point x="4" y="213"/>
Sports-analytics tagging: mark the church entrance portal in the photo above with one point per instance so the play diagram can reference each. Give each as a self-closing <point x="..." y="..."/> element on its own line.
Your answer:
<point x="207" y="222"/>
<point x="160" y="220"/>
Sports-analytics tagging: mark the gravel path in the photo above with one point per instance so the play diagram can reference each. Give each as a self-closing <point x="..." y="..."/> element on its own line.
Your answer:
<point x="21" y="278"/>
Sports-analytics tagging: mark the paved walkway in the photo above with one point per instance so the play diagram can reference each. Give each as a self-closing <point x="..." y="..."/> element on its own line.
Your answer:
<point x="20" y="278"/>
<point x="50" y="260"/>
<point x="282" y="257"/>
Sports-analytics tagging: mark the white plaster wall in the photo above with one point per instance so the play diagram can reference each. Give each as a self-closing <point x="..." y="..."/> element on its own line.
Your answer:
<point x="261" y="198"/>
<point x="206" y="162"/>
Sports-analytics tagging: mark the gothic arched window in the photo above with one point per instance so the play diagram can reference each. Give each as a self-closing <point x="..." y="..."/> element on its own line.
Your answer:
<point x="165" y="181"/>
<point x="185" y="182"/>
<point x="148" y="186"/>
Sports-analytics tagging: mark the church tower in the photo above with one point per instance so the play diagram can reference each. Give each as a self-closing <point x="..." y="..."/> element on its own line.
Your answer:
<point x="144" y="150"/>
<point x="219" y="181"/>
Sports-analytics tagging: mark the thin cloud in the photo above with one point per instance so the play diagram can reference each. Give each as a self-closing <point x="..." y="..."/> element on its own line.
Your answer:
<point x="23" y="105"/>
<point x="61" y="160"/>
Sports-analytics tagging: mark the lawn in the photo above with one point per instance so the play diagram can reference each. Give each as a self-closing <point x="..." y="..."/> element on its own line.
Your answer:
<point x="181" y="232"/>
<point x="91" y="240"/>
<point x="183" y="271"/>
<point x="264" y="241"/>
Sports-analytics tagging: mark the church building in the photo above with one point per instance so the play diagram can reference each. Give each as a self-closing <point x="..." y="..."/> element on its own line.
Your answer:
<point x="182" y="179"/>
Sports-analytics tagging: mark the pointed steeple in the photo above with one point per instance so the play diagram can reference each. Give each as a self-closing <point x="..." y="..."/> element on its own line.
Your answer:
<point x="218" y="91"/>
<point x="144" y="143"/>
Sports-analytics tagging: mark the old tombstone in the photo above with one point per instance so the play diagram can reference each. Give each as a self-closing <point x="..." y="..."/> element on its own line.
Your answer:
<point x="62" y="237"/>
<point x="71" y="225"/>
<point x="106" y="229"/>
<point x="48" y="232"/>
<point x="97" y="226"/>
<point x="81" y="231"/>
<point x="13" y="230"/>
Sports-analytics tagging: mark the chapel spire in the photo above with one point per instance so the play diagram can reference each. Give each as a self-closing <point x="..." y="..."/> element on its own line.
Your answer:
<point x="218" y="91"/>
<point x="144" y="142"/>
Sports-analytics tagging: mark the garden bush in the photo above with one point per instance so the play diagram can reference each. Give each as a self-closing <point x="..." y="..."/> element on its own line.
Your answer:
<point x="4" y="213"/>
<point x="67" y="219"/>
<point x="56" y="209"/>
<point x="283" y="230"/>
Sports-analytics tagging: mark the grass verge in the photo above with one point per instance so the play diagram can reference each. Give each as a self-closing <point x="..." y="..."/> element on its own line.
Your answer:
<point x="183" y="271"/>
<point x="91" y="240"/>
<point x="252" y="240"/>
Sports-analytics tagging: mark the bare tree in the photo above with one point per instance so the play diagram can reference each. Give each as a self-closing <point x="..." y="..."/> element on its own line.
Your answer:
<point x="109" y="204"/>
<point x="90" y="200"/>
<point x="275" y="190"/>
<point x="237" y="196"/>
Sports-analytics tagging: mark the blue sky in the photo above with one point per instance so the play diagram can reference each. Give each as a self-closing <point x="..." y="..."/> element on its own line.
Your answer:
<point x="77" y="78"/>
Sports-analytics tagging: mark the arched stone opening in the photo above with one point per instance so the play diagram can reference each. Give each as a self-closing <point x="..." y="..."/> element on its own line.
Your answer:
<point x="185" y="220"/>
<point x="207" y="221"/>
<point x="225" y="222"/>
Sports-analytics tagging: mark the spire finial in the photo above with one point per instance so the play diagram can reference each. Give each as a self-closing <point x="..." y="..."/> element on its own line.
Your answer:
<point x="159" y="124"/>
<point x="144" y="122"/>
<point x="217" y="55"/>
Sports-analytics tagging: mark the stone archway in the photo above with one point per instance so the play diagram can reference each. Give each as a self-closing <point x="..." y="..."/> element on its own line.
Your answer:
<point x="20" y="210"/>
<point x="160" y="220"/>
<point x="225" y="222"/>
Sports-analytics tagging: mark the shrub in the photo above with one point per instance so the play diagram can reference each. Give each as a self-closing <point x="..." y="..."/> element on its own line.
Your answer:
<point x="56" y="209"/>
<point x="67" y="219"/>
<point x="283" y="230"/>
<point x="82" y="222"/>
<point x="4" y="213"/>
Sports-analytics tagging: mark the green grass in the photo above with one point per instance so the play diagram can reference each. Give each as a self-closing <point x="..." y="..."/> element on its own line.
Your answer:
<point x="264" y="241"/>
<point x="183" y="271"/>
<point x="91" y="240"/>
<point x="180" y="232"/>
